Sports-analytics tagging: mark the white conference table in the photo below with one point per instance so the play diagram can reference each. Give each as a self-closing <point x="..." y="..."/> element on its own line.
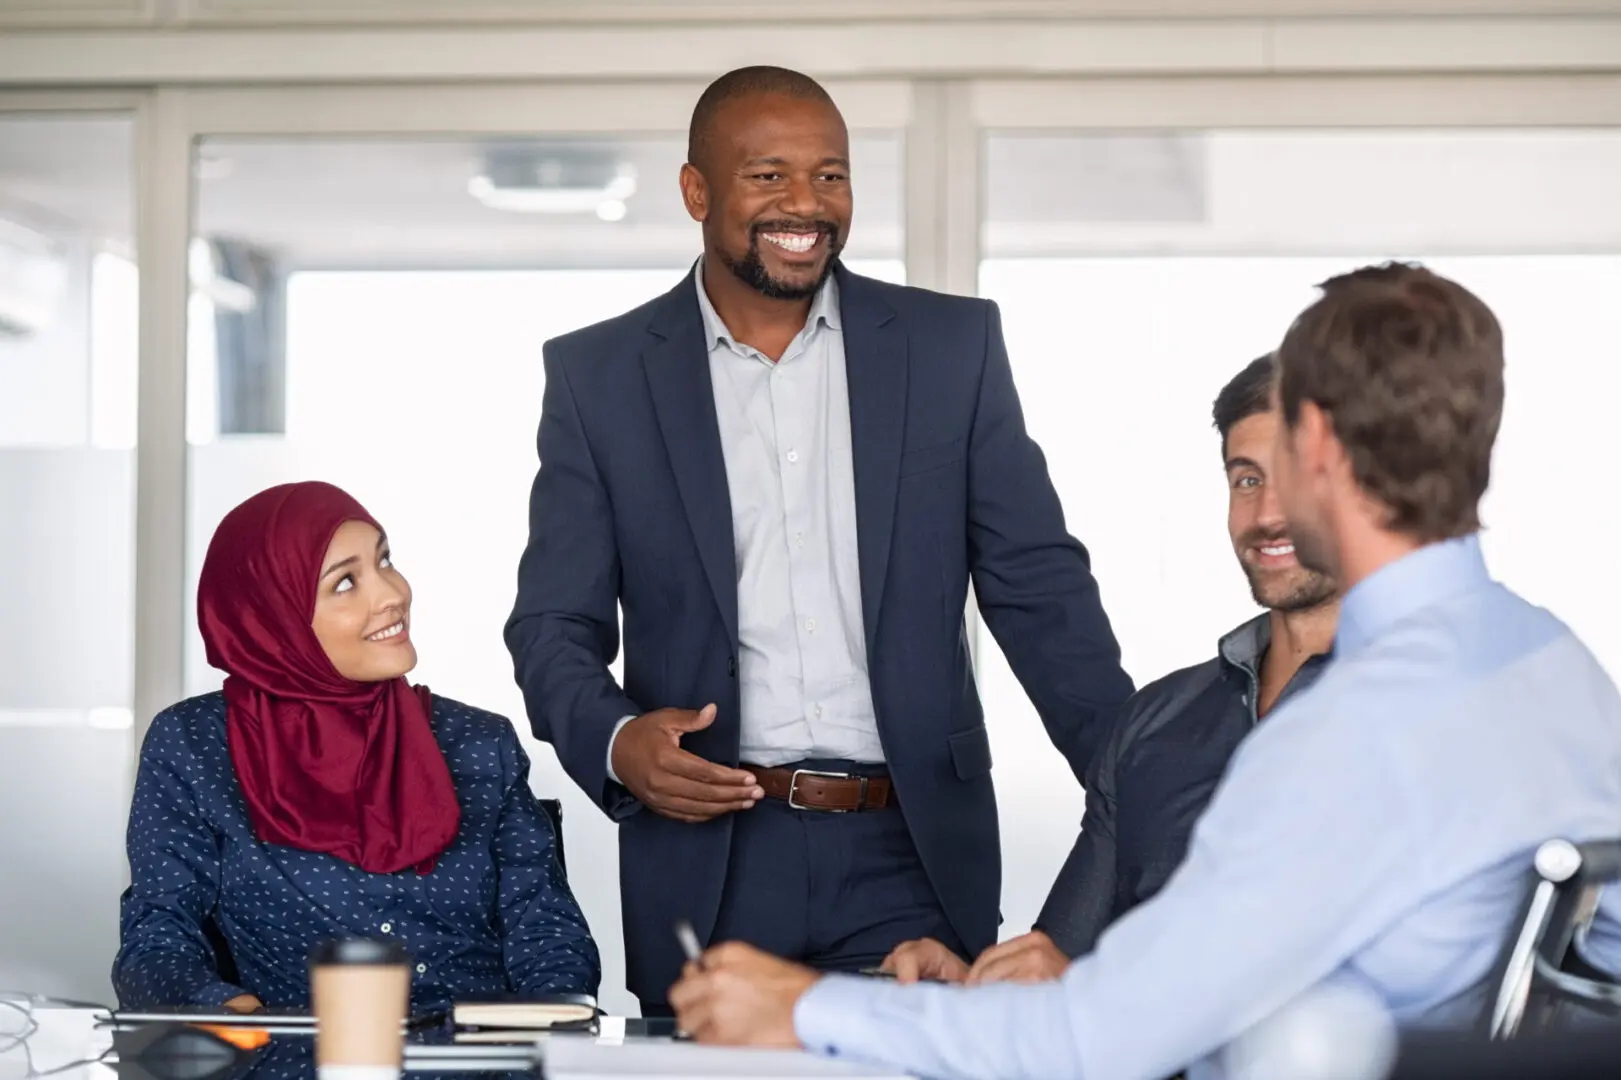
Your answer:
<point x="76" y="1044"/>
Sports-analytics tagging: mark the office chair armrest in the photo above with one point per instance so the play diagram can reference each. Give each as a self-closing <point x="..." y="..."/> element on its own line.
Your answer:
<point x="1597" y="862"/>
<point x="1593" y="991"/>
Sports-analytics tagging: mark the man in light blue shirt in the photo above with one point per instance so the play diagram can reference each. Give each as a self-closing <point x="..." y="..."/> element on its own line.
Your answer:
<point x="1374" y="836"/>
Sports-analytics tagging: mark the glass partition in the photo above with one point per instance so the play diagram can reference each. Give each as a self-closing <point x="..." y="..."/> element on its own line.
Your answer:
<point x="67" y="485"/>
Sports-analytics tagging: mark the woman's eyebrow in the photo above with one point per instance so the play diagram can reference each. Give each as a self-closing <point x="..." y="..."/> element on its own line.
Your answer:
<point x="339" y="565"/>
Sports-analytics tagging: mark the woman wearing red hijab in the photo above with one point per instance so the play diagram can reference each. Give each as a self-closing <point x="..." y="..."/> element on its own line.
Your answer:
<point x="321" y="795"/>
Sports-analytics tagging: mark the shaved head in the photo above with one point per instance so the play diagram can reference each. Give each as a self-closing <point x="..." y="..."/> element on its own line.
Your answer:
<point x="745" y="82"/>
<point x="768" y="177"/>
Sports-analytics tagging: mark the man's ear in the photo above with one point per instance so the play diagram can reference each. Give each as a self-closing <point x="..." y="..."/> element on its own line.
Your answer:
<point x="695" y="193"/>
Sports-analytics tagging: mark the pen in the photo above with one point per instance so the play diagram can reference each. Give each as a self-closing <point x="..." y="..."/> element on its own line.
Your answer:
<point x="688" y="937"/>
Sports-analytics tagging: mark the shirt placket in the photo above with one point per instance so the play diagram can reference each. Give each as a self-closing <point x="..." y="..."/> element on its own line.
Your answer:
<point x="383" y="891"/>
<point x="792" y="401"/>
<point x="408" y="891"/>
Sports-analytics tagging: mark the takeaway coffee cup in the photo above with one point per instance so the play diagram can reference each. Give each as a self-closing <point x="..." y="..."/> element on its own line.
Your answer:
<point x="361" y="991"/>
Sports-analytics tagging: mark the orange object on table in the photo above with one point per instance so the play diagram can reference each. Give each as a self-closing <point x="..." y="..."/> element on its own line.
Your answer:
<point x="241" y="1038"/>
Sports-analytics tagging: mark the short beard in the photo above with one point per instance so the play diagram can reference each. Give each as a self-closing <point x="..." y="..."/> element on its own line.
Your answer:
<point x="1312" y="590"/>
<point x="750" y="269"/>
<point x="1306" y="587"/>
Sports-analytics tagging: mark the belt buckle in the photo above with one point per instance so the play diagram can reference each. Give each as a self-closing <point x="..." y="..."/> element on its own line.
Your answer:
<point x="793" y="785"/>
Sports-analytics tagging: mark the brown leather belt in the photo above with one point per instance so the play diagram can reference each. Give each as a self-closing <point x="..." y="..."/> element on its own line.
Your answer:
<point x="838" y="793"/>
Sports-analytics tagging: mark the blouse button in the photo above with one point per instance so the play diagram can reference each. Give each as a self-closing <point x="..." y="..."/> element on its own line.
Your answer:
<point x="422" y="969"/>
<point x="387" y="928"/>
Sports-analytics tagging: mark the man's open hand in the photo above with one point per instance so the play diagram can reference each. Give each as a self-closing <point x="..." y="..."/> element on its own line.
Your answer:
<point x="648" y="759"/>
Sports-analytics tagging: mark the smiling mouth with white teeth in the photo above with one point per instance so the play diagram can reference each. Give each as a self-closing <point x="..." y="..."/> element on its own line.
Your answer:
<point x="1277" y="550"/>
<point x="388" y="632"/>
<point x="796" y="242"/>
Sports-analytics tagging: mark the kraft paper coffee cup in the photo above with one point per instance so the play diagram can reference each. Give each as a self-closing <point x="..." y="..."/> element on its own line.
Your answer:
<point x="360" y="989"/>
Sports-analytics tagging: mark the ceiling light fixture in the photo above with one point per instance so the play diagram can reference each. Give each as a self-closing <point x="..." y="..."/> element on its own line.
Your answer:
<point x="530" y="181"/>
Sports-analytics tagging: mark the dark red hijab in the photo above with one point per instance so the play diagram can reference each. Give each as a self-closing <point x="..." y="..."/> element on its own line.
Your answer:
<point x="350" y="769"/>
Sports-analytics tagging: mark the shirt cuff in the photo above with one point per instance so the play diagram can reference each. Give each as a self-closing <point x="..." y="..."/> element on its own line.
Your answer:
<point x="623" y="720"/>
<point x="215" y="994"/>
<point x="829" y="1010"/>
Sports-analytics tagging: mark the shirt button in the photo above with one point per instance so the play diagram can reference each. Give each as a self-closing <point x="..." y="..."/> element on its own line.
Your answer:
<point x="422" y="969"/>
<point x="818" y="710"/>
<point x="793" y="456"/>
<point x="810" y="626"/>
<point x="387" y="928"/>
<point x="799" y="539"/>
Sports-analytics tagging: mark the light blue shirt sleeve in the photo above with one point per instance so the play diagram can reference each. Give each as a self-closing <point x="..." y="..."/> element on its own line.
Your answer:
<point x="1232" y="938"/>
<point x="1373" y="835"/>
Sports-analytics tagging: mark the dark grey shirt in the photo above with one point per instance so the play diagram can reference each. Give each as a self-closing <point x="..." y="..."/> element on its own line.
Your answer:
<point x="1167" y="750"/>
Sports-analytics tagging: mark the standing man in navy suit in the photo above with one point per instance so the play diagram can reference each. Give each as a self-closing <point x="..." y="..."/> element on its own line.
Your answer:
<point x="786" y="475"/>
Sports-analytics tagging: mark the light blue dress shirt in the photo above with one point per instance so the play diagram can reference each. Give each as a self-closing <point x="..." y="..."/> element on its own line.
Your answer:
<point x="1374" y="835"/>
<point x="790" y="472"/>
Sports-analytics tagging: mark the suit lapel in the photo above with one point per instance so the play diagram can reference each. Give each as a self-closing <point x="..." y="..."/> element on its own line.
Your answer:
<point x="876" y="363"/>
<point x="677" y="366"/>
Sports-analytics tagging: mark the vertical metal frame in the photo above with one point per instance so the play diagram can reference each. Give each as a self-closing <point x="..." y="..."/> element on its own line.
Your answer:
<point x="163" y="186"/>
<point x="942" y="211"/>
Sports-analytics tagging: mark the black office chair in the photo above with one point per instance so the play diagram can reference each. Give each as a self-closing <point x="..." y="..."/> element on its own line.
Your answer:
<point x="1538" y="971"/>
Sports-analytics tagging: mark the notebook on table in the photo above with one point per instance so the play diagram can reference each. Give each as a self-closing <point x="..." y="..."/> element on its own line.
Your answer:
<point x="520" y="1021"/>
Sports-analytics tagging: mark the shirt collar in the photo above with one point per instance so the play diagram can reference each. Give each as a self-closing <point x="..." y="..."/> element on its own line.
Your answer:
<point x="824" y="310"/>
<point x="1244" y="647"/>
<point x="1413" y="582"/>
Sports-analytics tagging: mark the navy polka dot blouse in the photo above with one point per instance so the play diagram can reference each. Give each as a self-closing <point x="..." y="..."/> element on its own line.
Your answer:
<point x="494" y="920"/>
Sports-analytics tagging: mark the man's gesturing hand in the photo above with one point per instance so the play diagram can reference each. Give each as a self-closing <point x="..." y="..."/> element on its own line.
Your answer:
<point x="648" y="759"/>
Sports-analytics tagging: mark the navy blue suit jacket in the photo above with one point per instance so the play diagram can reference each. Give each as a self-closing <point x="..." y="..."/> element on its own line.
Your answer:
<point x="630" y="508"/>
